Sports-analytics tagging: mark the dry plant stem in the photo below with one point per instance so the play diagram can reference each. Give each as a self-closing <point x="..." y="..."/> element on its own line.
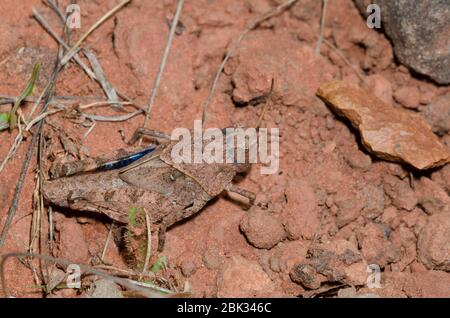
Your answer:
<point x="42" y="116"/>
<point x="233" y="48"/>
<point x="75" y="48"/>
<point x="45" y="92"/>
<point x="346" y="61"/>
<point x="84" y="269"/>
<point x="87" y="133"/>
<point x="48" y="93"/>
<point x="48" y="28"/>
<point x="322" y="26"/>
<point x="101" y="78"/>
<point x="150" y="285"/>
<point x="124" y="117"/>
<point x="105" y="103"/>
<point x="77" y="59"/>
<point x="108" y="238"/>
<point x="50" y="228"/>
<point x="61" y="108"/>
<point x="36" y="219"/>
<point x="162" y="65"/>
<point x="59" y="13"/>
<point x="149" y="242"/>
<point x="55" y="100"/>
<point x="12" y="150"/>
<point x="15" y="201"/>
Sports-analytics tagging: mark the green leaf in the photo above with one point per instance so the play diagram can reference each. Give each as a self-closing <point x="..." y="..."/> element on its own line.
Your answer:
<point x="160" y="264"/>
<point x="4" y="121"/>
<point x="29" y="89"/>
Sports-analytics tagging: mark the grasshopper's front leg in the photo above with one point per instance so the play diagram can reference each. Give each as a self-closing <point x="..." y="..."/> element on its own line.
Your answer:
<point x="242" y="192"/>
<point x="154" y="135"/>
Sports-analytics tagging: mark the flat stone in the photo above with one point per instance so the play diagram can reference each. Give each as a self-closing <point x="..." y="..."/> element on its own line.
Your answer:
<point x="387" y="132"/>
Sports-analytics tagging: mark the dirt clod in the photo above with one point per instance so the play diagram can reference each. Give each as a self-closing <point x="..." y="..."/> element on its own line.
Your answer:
<point x="240" y="277"/>
<point x="262" y="229"/>
<point x="433" y="244"/>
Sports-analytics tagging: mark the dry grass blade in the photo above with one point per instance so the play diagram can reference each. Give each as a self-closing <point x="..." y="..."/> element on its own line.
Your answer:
<point x="108" y="238"/>
<point x="49" y="29"/>
<point x="124" y="117"/>
<point x="59" y="13"/>
<point x="15" y="202"/>
<point x="148" y="254"/>
<point x="76" y="47"/>
<point x="162" y="65"/>
<point x="322" y="26"/>
<point x="277" y="10"/>
<point x="344" y="58"/>
<point x="101" y="78"/>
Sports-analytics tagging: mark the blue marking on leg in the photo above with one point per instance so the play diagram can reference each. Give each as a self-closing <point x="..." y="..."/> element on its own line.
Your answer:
<point x="125" y="161"/>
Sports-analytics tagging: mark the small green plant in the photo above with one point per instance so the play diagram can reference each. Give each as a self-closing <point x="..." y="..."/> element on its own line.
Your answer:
<point x="4" y="121"/>
<point x="160" y="264"/>
<point x="29" y="90"/>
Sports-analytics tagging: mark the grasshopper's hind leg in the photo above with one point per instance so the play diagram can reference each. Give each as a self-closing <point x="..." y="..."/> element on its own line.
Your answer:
<point x="154" y="135"/>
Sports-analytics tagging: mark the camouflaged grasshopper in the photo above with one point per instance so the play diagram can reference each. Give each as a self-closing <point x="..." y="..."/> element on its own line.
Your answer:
<point x="147" y="180"/>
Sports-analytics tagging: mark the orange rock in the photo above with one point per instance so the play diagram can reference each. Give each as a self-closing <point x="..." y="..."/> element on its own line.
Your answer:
<point x="389" y="133"/>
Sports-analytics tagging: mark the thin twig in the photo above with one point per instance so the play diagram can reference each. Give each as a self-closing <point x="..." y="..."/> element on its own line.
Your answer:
<point x="55" y="100"/>
<point x="148" y="253"/>
<point x="12" y="150"/>
<point x="105" y="103"/>
<point x="322" y="26"/>
<point x="162" y="65"/>
<point x="59" y="13"/>
<point x="86" y="134"/>
<point x="20" y="182"/>
<point x="49" y="29"/>
<point x="50" y="228"/>
<point x="344" y="58"/>
<point x="76" y="57"/>
<point x="112" y="118"/>
<point x="42" y="116"/>
<point x="152" y="286"/>
<point x="101" y="78"/>
<point x="48" y="92"/>
<point x="108" y="238"/>
<point x="277" y="10"/>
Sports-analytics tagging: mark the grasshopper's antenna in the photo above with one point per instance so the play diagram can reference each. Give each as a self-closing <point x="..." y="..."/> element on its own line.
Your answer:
<point x="266" y="106"/>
